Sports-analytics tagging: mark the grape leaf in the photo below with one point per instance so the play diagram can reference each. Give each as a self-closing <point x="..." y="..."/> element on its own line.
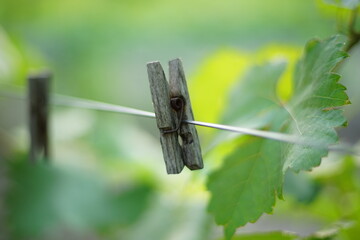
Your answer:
<point x="252" y="104"/>
<point x="313" y="108"/>
<point x="246" y="185"/>
<point x="251" y="177"/>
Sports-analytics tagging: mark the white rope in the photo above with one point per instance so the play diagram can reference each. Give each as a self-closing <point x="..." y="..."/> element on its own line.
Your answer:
<point x="62" y="100"/>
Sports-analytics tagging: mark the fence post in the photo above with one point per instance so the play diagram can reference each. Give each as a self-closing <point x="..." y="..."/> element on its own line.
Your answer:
<point x="38" y="109"/>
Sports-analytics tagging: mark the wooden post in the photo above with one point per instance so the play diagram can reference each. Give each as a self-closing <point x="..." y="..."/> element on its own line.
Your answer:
<point x="190" y="140"/>
<point x="38" y="97"/>
<point x="165" y="118"/>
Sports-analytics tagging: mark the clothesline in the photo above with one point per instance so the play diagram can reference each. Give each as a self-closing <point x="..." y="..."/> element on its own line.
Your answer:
<point x="68" y="101"/>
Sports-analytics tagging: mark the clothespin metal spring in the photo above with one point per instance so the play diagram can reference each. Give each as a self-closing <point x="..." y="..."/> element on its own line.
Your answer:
<point x="177" y="104"/>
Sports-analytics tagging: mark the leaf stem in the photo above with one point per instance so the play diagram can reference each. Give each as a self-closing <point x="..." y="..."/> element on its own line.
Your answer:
<point x="354" y="36"/>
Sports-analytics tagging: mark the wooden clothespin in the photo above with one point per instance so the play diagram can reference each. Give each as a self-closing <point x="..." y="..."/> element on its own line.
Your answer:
<point x="190" y="140"/>
<point x="172" y="105"/>
<point x="38" y="96"/>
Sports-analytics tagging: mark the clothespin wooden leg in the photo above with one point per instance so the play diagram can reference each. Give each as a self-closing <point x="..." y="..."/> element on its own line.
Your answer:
<point x="38" y="94"/>
<point x="165" y="118"/>
<point x="190" y="140"/>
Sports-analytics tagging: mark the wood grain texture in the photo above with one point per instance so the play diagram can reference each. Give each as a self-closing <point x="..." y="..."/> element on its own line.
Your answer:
<point x="38" y="94"/>
<point x="165" y="118"/>
<point x="190" y="140"/>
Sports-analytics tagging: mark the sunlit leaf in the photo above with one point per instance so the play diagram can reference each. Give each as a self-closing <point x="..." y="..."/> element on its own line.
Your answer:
<point x="211" y="82"/>
<point x="281" y="53"/>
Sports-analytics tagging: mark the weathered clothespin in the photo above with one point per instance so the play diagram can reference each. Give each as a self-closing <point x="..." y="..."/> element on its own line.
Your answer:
<point x="38" y="98"/>
<point x="190" y="140"/>
<point x="172" y="106"/>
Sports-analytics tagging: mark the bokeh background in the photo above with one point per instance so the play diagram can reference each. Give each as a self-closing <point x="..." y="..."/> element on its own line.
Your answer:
<point x="107" y="179"/>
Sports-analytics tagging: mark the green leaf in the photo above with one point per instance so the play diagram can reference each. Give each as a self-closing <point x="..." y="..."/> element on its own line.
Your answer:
<point x="251" y="177"/>
<point x="313" y="108"/>
<point x="252" y="103"/>
<point x="247" y="184"/>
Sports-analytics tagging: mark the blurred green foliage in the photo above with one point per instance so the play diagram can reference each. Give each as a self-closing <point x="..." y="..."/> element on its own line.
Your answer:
<point x="42" y="197"/>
